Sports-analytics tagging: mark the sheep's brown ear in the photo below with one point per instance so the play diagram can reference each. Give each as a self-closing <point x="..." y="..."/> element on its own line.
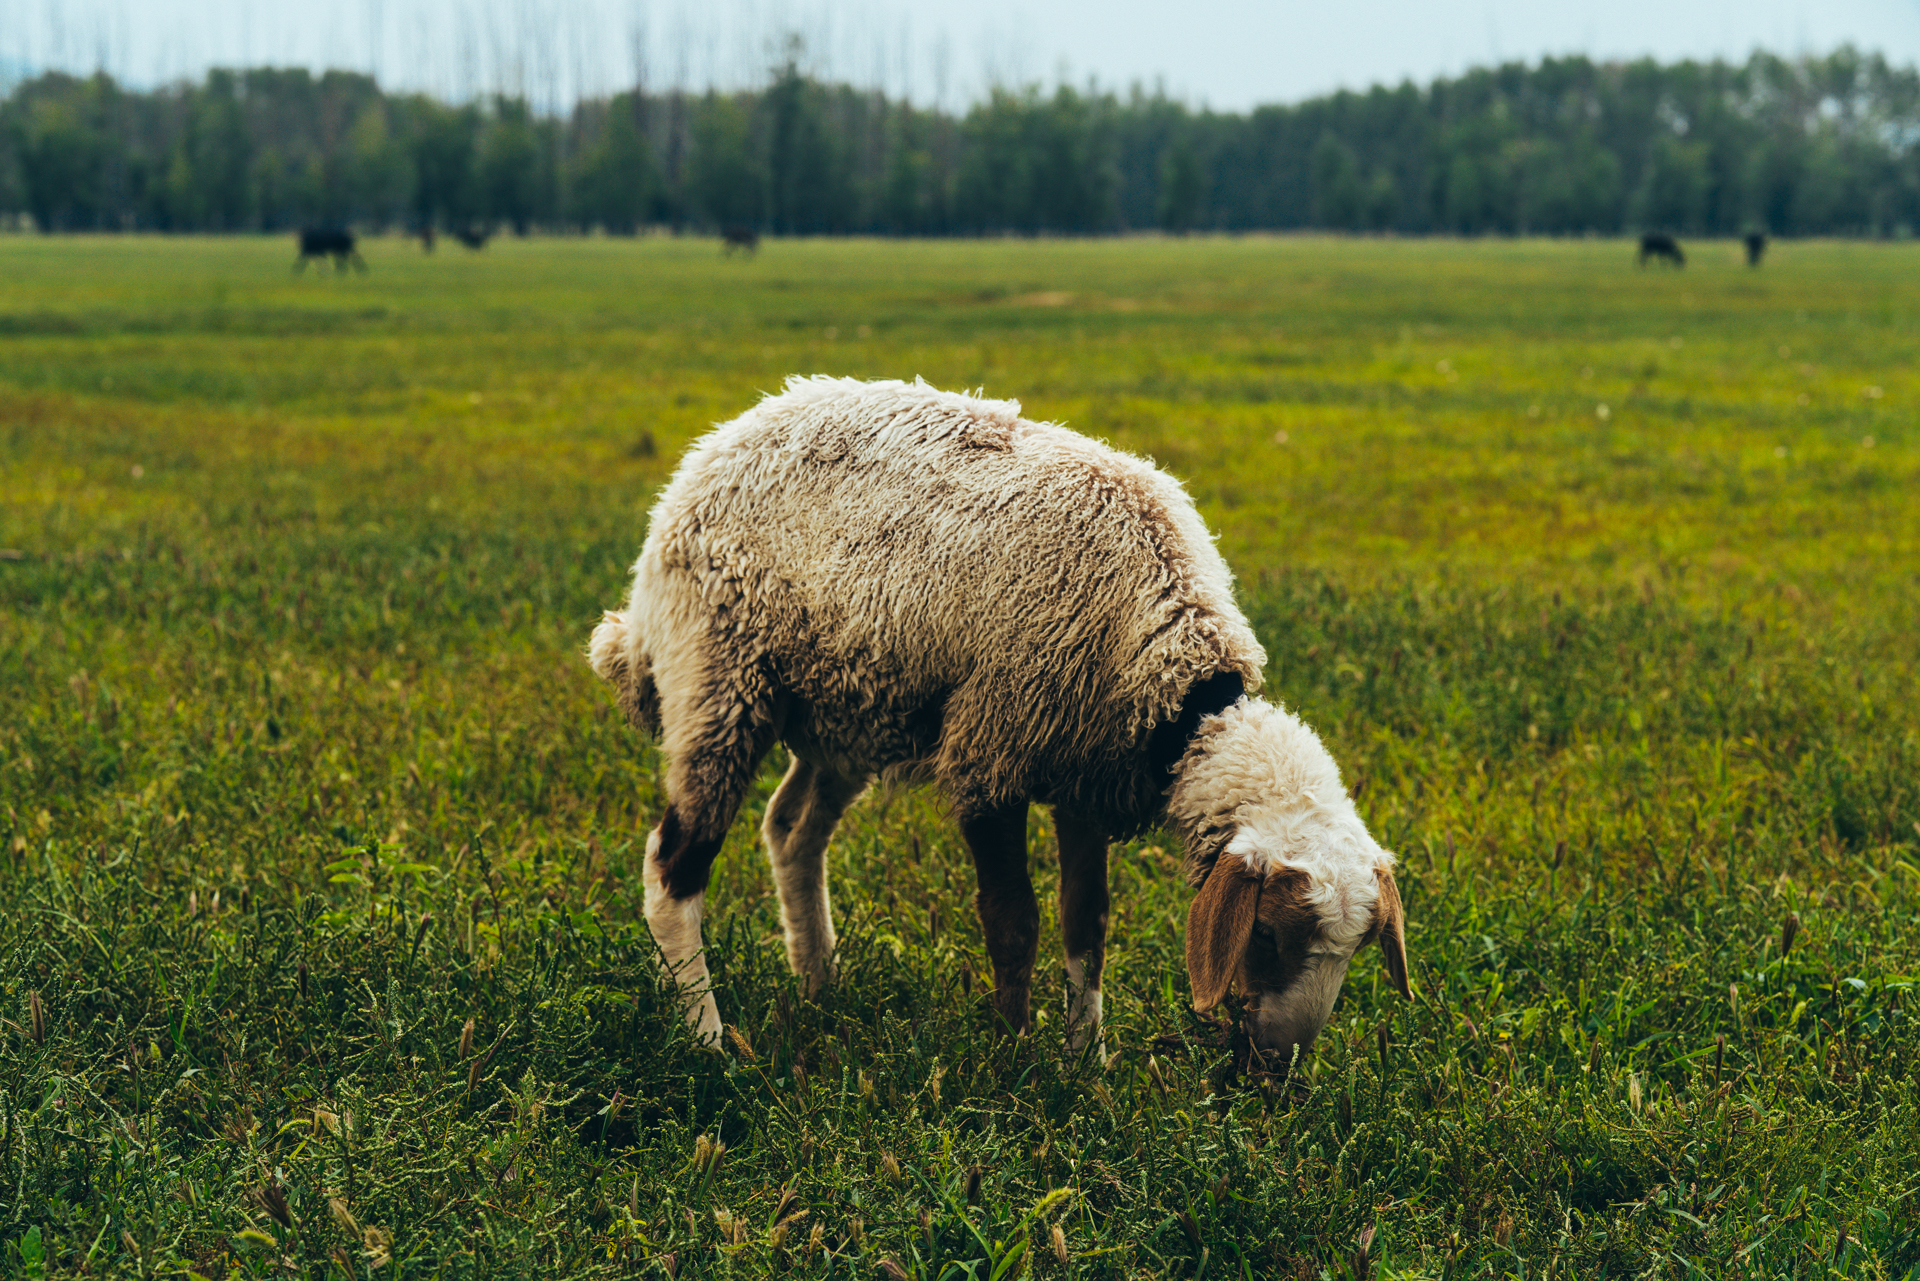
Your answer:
<point x="1390" y="924"/>
<point x="1218" y="924"/>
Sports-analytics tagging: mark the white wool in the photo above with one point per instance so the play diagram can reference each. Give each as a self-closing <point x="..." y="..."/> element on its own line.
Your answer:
<point x="607" y="647"/>
<point x="1258" y="785"/>
<point x="946" y="588"/>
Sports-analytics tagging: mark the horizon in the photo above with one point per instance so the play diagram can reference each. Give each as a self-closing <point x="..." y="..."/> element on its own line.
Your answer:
<point x="1231" y="57"/>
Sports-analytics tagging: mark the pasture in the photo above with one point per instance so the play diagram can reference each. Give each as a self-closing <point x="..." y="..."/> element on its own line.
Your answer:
<point x="321" y="950"/>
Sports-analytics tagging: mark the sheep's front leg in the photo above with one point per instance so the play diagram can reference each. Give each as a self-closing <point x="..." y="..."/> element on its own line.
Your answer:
<point x="1083" y="926"/>
<point x="1009" y="913"/>
<point x="800" y="821"/>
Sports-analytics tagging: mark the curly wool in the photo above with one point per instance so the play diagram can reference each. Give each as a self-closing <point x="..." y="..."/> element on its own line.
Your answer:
<point x="1257" y="784"/>
<point x="898" y="579"/>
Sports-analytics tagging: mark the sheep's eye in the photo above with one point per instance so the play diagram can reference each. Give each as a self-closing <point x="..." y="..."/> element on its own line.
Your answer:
<point x="1263" y="930"/>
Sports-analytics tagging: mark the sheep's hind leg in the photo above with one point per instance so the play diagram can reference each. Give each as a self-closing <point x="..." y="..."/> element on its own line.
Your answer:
<point x="800" y="821"/>
<point x="1083" y="926"/>
<point x="1009" y="913"/>
<point x="705" y="784"/>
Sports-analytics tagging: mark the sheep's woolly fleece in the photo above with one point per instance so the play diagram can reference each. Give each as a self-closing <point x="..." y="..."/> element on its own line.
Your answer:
<point x="1257" y="784"/>
<point x="896" y="578"/>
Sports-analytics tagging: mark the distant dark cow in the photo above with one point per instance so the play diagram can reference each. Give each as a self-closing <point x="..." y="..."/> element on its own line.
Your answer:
<point x="1756" y="243"/>
<point x="472" y="237"/>
<point x="745" y="239"/>
<point x="1658" y="244"/>
<point x="328" y="242"/>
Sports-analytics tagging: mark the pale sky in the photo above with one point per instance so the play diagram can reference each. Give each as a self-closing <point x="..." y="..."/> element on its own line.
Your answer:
<point x="1230" y="54"/>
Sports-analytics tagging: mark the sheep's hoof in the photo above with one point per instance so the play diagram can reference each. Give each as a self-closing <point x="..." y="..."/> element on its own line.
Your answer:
<point x="703" y="1015"/>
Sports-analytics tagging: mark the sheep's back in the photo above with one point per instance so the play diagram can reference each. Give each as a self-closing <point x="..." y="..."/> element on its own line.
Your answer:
<point x="886" y="549"/>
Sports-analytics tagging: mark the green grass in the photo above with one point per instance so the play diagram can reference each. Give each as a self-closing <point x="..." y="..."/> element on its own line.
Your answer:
<point x="301" y="770"/>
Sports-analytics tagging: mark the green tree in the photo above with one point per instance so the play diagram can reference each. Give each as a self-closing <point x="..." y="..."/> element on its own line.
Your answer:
<point x="909" y="199"/>
<point x="1037" y="164"/>
<point x="511" y="166"/>
<point x="1073" y="180"/>
<point x="618" y="179"/>
<point x="214" y="162"/>
<point x="1339" y="195"/>
<point x="807" y="187"/>
<point x="727" y="183"/>
<point x="1572" y="186"/>
<point x="1834" y="193"/>
<point x="444" y="145"/>
<point x="65" y="153"/>
<point x="1381" y="200"/>
<point x="1464" y="198"/>
<point x="1182" y="185"/>
<point x="377" y="179"/>
<point x="1673" y="187"/>
<point x="995" y="185"/>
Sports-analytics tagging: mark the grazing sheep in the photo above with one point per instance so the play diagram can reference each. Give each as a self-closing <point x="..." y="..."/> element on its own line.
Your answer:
<point x="901" y="582"/>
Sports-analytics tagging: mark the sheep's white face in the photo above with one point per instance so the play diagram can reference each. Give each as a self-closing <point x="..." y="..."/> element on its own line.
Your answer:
<point x="1291" y="884"/>
<point x="1269" y="935"/>
<point x="1290" y="976"/>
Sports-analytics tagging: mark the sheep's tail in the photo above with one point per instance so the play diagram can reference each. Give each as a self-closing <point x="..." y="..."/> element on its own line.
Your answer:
<point x="607" y="651"/>
<point x="616" y="660"/>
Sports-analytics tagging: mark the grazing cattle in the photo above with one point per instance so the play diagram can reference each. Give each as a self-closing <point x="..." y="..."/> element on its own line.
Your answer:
<point x="472" y="237"/>
<point x="745" y="239"/>
<point x="1658" y="244"/>
<point x="328" y="242"/>
<point x="1756" y="243"/>
<point x="903" y="583"/>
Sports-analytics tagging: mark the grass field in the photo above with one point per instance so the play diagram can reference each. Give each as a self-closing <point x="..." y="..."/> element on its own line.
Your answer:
<point x="321" y="950"/>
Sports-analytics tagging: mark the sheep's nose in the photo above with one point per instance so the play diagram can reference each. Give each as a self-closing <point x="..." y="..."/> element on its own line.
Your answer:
<point x="1276" y="1039"/>
<point x="1283" y="1023"/>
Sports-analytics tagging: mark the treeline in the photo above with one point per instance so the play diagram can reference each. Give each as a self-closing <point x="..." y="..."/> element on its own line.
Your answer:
<point x="1818" y="145"/>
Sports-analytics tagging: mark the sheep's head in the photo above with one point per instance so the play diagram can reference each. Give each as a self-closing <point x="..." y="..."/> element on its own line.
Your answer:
<point x="1269" y="933"/>
<point x="1290" y="884"/>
